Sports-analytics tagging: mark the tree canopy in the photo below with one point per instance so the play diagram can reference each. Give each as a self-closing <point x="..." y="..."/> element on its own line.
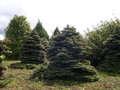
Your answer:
<point x="96" y="39"/>
<point x="112" y="52"/>
<point x="16" y="32"/>
<point x="56" y="31"/>
<point x="41" y="31"/>
<point x="69" y="44"/>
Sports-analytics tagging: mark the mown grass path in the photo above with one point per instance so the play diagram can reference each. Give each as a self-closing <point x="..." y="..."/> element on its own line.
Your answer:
<point x="21" y="81"/>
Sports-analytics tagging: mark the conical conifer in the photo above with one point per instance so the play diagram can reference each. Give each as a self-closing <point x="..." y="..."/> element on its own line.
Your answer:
<point x="67" y="58"/>
<point x="41" y="31"/>
<point x="33" y="50"/>
<point x="56" y="31"/>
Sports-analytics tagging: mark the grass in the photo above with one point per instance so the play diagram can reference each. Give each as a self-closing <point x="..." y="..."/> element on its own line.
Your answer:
<point x="21" y="81"/>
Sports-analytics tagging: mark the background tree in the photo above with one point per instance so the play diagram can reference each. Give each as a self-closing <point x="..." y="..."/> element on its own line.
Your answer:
<point x="96" y="38"/>
<point x="41" y="31"/>
<point x="112" y="51"/>
<point x="33" y="51"/>
<point x="67" y="59"/>
<point x="55" y="33"/>
<point x="16" y="32"/>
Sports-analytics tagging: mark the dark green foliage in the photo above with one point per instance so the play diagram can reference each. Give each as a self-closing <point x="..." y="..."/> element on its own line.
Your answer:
<point x="1" y="69"/>
<point x="96" y="39"/>
<point x="45" y="43"/>
<point x="56" y="31"/>
<point x="67" y="46"/>
<point x="16" y="32"/>
<point x="33" y="50"/>
<point x="67" y="59"/>
<point x="112" y="50"/>
<point x="69" y="70"/>
<point x="3" y="48"/>
<point x="41" y="31"/>
<point x="3" y="51"/>
<point x="23" y="66"/>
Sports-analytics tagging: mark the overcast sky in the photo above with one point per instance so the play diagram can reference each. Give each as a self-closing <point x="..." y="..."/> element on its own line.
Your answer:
<point x="81" y="14"/>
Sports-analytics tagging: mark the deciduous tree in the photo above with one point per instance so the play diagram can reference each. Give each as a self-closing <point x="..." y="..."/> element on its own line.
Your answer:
<point x="16" y="32"/>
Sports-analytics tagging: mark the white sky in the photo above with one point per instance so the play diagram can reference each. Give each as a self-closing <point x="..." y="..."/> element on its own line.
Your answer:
<point x="81" y="14"/>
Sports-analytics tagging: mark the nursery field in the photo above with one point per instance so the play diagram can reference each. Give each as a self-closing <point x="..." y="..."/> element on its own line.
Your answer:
<point x="21" y="81"/>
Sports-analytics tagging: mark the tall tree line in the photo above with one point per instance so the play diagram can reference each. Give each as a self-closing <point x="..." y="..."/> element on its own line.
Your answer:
<point x="95" y="42"/>
<point x="18" y="30"/>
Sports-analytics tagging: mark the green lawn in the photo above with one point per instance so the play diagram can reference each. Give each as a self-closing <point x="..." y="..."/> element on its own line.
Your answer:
<point x="21" y="81"/>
